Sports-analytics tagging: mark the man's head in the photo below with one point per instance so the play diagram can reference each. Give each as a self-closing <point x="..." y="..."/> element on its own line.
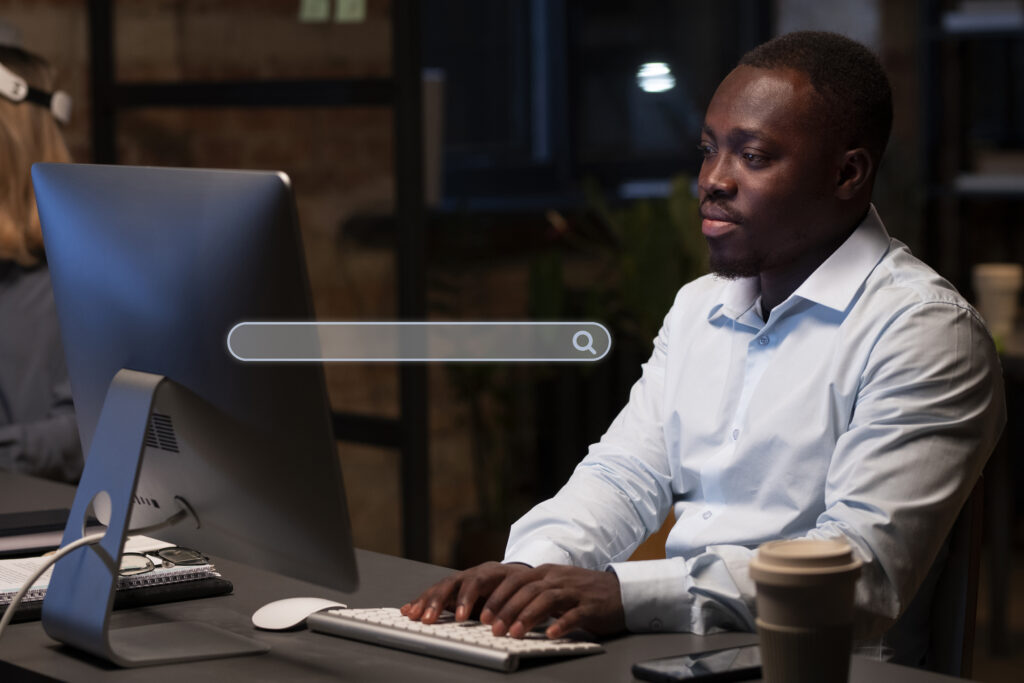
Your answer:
<point x="792" y="140"/>
<point x="855" y="97"/>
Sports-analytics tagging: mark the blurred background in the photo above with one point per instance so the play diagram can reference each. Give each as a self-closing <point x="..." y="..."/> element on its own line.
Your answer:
<point x="532" y="160"/>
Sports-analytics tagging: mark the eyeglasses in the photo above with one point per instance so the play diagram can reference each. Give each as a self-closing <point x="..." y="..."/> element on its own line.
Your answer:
<point x="140" y="563"/>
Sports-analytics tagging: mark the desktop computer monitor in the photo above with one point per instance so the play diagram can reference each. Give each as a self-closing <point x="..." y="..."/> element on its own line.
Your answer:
<point x="151" y="268"/>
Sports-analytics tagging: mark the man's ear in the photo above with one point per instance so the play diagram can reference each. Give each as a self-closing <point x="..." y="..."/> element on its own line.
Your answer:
<point x="855" y="169"/>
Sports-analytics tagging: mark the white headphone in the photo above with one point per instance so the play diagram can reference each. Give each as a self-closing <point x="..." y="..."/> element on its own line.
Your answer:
<point x="14" y="88"/>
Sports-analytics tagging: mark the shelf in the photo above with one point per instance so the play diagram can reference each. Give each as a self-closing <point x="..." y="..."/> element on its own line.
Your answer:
<point x="989" y="185"/>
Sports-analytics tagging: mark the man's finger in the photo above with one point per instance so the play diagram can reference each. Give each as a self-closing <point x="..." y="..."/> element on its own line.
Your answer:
<point x="464" y="604"/>
<point x="413" y="609"/>
<point x="567" y="623"/>
<point x="474" y="586"/>
<point x="548" y="603"/>
<point x="505" y="590"/>
<point x="429" y="605"/>
<point x="509" y="613"/>
<point x="436" y="604"/>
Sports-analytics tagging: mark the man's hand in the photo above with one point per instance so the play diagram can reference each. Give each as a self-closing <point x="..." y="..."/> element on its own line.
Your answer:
<point x="518" y="597"/>
<point x="461" y="592"/>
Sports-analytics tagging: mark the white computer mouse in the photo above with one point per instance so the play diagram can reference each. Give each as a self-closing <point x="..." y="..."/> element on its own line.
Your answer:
<point x="290" y="612"/>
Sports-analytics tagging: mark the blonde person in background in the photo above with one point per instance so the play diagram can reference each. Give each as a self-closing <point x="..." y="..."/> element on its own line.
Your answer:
<point x="38" y="433"/>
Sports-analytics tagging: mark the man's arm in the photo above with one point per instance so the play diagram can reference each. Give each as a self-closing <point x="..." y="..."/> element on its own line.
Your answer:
<point x="617" y="496"/>
<point x="929" y="410"/>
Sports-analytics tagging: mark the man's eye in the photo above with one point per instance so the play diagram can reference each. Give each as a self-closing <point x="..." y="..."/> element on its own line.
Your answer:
<point x="755" y="158"/>
<point x="705" y="149"/>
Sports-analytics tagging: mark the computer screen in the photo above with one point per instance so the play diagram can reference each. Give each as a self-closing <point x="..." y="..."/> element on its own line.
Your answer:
<point x="151" y="268"/>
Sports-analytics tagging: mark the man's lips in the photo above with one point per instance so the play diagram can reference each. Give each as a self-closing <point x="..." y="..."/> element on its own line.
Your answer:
<point x="716" y="222"/>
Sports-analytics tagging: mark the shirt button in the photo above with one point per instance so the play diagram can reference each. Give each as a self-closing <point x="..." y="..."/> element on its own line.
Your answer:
<point x="655" y="624"/>
<point x="735" y="434"/>
<point x="763" y="340"/>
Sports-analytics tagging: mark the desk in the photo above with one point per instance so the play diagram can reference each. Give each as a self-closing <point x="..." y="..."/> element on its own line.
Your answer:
<point x="307" y="656"/>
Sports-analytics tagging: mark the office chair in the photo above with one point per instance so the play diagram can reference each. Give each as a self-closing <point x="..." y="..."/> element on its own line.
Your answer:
<point x="955" y="600"/>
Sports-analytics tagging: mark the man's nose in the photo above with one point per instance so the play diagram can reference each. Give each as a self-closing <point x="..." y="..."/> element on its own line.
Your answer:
<point x="715" y="178"/>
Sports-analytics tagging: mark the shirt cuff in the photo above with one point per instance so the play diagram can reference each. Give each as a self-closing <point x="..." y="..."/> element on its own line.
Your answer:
<point x="536" y="553"/>
<point x="654" y="594"/>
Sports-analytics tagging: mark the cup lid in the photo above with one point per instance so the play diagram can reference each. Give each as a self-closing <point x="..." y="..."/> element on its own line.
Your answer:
<point x="803" y="557"/>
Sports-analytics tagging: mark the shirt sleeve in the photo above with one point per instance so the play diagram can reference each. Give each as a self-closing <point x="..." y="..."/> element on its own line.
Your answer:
<point x="929" y="410"/>
<point x="704" y="594"/>
<point x="617" y="495"/>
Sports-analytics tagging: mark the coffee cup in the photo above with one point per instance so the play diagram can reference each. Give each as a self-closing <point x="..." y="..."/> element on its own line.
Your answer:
<point x="805" y="611"/>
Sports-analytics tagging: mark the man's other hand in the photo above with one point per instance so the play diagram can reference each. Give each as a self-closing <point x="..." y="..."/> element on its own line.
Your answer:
<point x="516" y="598"/>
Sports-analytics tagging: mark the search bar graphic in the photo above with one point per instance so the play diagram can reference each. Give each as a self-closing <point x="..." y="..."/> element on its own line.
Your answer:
<point x="425" y="342"/>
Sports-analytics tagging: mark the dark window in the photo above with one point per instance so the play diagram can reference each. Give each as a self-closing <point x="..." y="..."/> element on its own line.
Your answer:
<point x="543" y="93"/>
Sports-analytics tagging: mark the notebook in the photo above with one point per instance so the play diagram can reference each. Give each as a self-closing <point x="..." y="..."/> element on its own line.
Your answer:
<point x="163" y="584"/>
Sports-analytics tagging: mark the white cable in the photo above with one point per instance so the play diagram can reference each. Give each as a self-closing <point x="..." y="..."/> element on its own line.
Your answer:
<point x="88" y="540"/>
<point x="50" y="560"/>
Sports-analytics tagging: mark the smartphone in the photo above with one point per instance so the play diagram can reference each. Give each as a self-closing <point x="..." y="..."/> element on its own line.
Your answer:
<point x="734" y="664"/>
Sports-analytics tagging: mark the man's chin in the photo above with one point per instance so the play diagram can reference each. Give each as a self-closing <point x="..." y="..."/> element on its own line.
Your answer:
<point x="733" y="268"/>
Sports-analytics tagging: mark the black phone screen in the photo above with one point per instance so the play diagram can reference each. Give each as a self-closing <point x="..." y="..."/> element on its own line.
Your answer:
<point x="734" y="664"/>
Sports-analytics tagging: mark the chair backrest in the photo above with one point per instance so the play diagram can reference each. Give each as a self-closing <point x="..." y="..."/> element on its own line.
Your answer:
<point x="955" y="600"/>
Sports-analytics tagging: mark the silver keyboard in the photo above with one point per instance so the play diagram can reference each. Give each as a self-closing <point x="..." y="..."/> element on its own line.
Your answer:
<point x="469" y="642"/>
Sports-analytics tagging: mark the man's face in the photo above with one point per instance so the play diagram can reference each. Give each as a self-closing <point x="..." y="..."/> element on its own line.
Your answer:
<point x="769" y="172"/>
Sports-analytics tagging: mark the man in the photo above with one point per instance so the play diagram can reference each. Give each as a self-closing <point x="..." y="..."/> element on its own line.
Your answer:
<point x="822" y="382"/>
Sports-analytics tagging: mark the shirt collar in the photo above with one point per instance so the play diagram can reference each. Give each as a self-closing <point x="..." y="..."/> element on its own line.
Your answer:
<point x="736" y="298"/>
<point x="837" y="280"/>
<point x="833" y="284"/>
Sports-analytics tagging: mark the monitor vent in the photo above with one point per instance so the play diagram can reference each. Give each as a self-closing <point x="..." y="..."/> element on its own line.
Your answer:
<point x="160" y="433"/>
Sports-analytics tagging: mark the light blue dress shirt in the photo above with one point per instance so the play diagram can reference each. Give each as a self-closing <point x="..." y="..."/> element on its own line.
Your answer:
<point x="865" y="407"/>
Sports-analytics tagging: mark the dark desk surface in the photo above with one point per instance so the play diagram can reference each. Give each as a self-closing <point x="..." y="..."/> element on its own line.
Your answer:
<point x="307" y="656"/>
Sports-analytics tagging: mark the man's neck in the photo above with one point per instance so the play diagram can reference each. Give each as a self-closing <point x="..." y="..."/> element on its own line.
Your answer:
<point x="777" y="284"/>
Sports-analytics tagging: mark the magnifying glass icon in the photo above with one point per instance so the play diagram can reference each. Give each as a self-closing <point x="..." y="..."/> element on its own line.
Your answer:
<point x="583" y="341"/>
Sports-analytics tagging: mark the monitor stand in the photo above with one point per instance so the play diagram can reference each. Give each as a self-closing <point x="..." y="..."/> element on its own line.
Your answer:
<point x="80" y="596"/>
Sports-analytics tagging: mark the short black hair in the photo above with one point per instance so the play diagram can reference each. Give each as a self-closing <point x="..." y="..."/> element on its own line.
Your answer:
<point x="851" y="82"/>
